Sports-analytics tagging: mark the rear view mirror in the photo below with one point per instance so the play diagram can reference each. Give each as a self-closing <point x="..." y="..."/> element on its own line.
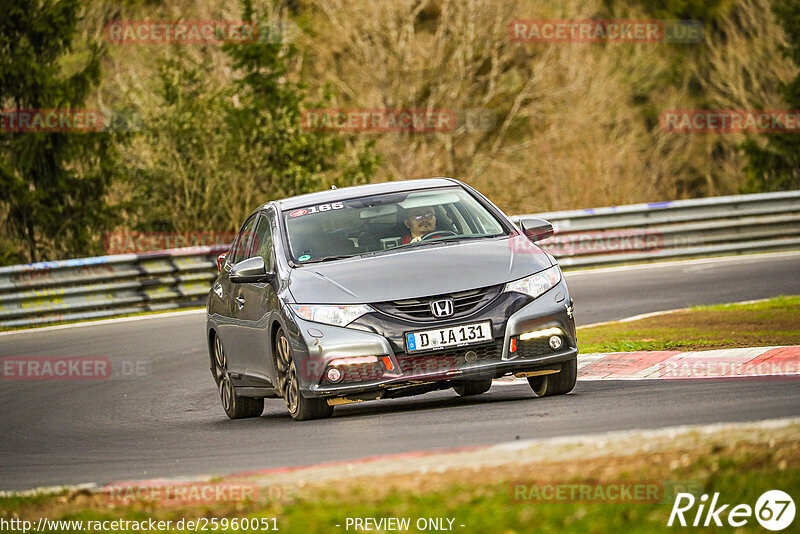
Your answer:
<point x="251" y="270"/>
<point x="378" y="211"/>
<point x="424" y="200"/>
<point x="536" y="229"/>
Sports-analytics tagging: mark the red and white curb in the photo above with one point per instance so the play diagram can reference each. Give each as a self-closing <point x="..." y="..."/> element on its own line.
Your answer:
<point x="723" y="363"/>
<point x="667" y="365"/>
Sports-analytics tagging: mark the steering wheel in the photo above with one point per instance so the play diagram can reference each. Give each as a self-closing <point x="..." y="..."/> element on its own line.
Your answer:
<point x="437" y="233"/>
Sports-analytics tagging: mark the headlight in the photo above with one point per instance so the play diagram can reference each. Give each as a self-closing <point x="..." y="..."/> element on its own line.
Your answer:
<point x="536" y="284"/>
<point x="335" y="315"/>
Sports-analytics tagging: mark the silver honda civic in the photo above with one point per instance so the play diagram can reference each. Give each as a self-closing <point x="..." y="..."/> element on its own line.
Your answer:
<point x="383" y="291"/>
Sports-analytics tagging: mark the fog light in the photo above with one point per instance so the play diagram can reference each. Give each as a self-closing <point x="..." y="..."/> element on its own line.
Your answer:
<point x="540" y="333"/>
<point x="354" y="361"/>
<point x="555" y="342"/>
<point x="334" y="374"/>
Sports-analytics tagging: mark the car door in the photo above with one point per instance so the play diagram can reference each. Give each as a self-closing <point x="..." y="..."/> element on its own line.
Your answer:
<point x="228" y="327"/>
<point x="253" y="307"/>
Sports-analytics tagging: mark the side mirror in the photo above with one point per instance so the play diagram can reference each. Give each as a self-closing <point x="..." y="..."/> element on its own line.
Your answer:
<point x="536" y="229"/>
<point x="221" y="261"/>
<point x="251" y="270"/>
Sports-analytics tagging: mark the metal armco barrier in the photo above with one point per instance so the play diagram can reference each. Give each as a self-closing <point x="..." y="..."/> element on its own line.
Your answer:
<point x="675" y="229"/>
<point x="108" y="286"/>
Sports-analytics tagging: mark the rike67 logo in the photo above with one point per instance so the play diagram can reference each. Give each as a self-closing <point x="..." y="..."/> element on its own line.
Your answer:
<point x="774" y="510"/>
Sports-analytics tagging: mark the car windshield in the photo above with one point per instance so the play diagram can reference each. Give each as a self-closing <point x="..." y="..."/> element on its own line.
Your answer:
<point x="335" y="230"/>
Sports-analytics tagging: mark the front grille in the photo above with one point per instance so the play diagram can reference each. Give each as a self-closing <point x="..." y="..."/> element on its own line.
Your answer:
<point x="419" y="309"/>
<point x="449" y="360"/>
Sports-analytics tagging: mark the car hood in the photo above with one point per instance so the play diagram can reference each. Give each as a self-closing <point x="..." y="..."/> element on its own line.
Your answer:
<point x="416" y="272"/>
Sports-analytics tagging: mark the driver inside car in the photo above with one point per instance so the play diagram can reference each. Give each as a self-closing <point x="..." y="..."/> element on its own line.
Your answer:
<point x="419" y="221"/>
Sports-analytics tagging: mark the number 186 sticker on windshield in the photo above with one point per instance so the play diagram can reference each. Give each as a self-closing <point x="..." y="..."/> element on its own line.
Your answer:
<point x="317" y="209"/>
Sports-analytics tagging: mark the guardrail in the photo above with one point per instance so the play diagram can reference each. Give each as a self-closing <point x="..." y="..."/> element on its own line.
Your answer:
<point x="675" y="229"/>
<point x="106" y="286"/>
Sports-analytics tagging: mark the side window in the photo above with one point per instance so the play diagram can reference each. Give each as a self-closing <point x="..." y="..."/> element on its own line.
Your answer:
<point x="262" y="242"/>
<point x="240" y="246"/>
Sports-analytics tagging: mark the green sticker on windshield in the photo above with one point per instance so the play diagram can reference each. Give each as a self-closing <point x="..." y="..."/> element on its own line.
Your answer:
<point x="304" y="257"/>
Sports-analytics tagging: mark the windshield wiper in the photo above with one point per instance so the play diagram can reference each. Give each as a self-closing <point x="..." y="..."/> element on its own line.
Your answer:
<point x="449" y="239"/>
<point x="327" y="258"/>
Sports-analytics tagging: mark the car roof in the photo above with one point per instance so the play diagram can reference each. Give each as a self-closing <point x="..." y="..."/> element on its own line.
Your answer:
<point x="356" y="191"/>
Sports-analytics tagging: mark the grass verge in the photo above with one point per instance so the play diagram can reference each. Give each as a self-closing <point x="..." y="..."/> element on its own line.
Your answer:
<point x="771" y="322"/>
<point x="505" y="498"/>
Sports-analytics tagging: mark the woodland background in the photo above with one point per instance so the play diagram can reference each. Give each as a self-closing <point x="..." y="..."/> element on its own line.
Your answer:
<point x="204" y="133"/>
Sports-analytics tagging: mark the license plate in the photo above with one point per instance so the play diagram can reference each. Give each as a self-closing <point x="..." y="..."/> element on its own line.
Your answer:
<point x="452" y="336"/>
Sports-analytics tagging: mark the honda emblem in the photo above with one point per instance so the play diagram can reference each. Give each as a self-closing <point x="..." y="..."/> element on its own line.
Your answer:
<point x="442" y="308"/>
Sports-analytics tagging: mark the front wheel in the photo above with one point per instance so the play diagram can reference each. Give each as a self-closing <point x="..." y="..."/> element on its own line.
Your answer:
<point x="300" y="407"/>
<point x="557" y="383"/>
<point x="235" y="406"/>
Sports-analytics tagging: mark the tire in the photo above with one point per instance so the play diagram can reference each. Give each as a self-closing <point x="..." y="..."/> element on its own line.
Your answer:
<point x="235" y="406"/>
<point x="558" y="383"/>
<point x="300" y="407"/>
<point x="473" y="387"/>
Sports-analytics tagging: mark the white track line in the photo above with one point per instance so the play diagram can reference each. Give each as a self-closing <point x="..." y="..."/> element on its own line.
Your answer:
<point x="100" y="322"/>
<point x="749" y="258"/>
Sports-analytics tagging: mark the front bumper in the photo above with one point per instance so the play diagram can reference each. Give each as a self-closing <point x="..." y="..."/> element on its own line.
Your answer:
<point x="394" y="372"/>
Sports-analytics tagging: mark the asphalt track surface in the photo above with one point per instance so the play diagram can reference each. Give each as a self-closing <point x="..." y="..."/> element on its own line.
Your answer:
<point x="166" y="419"/>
